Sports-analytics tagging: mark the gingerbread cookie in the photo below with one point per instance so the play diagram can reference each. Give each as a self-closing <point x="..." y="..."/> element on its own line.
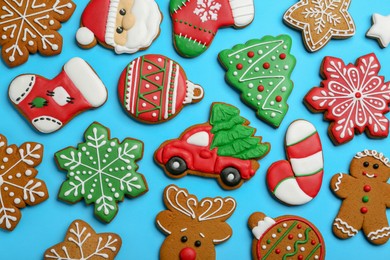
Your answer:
<point x="285" y="237"/>
<point x="126" y="26"/>
<point x="195" y="23"/>
<point x="223" y="148"/>
<point x="82" y="242"/>
<point x="320" y="21"/>
<point x="101" y="171"/>
<point x="298" y="179"/>
<point x="18" y="185"/>
<point x="353" y="97"/>
<point x="154" y="89"/>
<point x="193" y="227"/>
<point x="50" y="104"/>
<point x="261" y="71"/>
<point x="379" y="29"/>
<point x="30" y="27"/>
<point x="366" y="195"/>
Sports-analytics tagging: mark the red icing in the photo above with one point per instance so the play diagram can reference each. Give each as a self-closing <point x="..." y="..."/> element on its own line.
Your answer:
<point x="299" y="226"/>
<point x="300" y="257"/>
<point x="282" y="56"/>
<point x="278" y="98"/>
<point x="290" y="236"/>
<point x="313" y="242"/>
<point x="251" y="54"/>
<point x="239" y="66"/>
<point x="266" y="65"/>
<point x="277" y="251"/>
<point x="358" y="95"/>
<point x="95" y="16"/>
<point x="363" y="210"/>
<point x="310" y="146"/>
<point x="367" y="188"/>
<point x="260" y="88"/>
<point x="187" y="253"/>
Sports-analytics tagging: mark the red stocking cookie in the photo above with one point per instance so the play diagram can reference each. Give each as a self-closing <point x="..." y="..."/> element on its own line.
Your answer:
<point x="50" y="104"/>
<point x="366" y="195"/>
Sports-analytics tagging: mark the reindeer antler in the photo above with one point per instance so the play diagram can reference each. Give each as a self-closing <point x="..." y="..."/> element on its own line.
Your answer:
<point x="218" y="208"/>
<point x="180" y="200"/>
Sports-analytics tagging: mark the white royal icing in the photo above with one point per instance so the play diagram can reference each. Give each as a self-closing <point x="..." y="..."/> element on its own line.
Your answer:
<point x="380" y="29"/>
<point x="298" y="131"/>
<point x="307" y="165"/>
<point x="262" y="226"/>
<point x="291" y="193"/>
<point x="84" y="36"/>
<point x="20" y="87"/>
<point x="199" y="139"/>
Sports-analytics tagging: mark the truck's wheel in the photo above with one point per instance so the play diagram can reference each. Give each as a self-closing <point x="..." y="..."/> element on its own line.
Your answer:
<point x="176" y="166"/>
<point x="230" y="176"/>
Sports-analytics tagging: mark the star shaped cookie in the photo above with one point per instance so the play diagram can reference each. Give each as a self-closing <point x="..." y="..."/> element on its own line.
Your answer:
<point x="380" y="29"/>
<point x="320" y="20"/>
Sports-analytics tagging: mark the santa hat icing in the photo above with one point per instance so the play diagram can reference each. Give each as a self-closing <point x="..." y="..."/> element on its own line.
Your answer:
<point x="243" y="12"/>
<point x="99" y="21"/>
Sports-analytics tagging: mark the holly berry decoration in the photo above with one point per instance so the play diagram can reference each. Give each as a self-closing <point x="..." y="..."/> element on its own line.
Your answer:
<point x="196" y="22"/>
<point x="154" y="89"/>
<point x="261" y="69"/>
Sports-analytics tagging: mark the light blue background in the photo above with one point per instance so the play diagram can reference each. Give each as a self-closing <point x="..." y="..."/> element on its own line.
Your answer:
<point x="44" y="225"/>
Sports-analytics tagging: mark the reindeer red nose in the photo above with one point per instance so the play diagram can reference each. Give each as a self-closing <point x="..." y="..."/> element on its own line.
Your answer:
<point x="187" y="254"/>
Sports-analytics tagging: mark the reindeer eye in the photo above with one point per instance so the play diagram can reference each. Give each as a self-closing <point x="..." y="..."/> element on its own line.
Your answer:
<point x="198" y="243"/>
<point x="366" y="164"/>
<point x="375" y="166"/>
<point x="184" y="239"/>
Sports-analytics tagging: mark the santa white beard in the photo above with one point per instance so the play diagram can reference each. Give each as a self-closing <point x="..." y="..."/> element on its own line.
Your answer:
<point x="146" y="27"/>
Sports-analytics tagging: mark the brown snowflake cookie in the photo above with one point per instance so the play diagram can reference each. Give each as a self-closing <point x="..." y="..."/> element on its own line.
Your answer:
<point x="31" y="26"/>
<point x="18" y="185"/>
<point x="366" y="195"/>
<point x="82" y="242"/>
<point x="193" y="227"/>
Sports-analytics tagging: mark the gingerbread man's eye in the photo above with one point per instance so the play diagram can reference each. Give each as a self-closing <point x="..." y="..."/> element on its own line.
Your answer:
<point x="375" y="166"/>
<point x="119" y="29"/>
<point x="366" y="164"/>
<point x="184" y="239"/>
<point x="122" y="12"/>
<point x="198" y="243"/>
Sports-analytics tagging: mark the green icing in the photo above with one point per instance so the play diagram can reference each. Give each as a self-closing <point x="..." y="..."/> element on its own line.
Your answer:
<point x="232" y="136"/>
<point x="297" y="243"/>
<point x="188" y="48"/>
<point x="265" y="90"/>
<point x="174" y="5"/>
<point x="102" y="171"/>
<point x="38" y="102"/>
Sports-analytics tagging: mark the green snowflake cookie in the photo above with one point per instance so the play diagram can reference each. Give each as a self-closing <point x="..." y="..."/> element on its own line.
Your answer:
<point x="261" y="70"/>
<point x="102" y="171"/>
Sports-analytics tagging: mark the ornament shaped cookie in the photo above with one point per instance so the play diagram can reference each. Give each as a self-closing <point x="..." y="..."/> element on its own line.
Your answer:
<point x="366" y="195"/>
<point x="30" y="26"/>
<point x="353" y="97"/>
<point x="193" y="227"/>
<point x="82" y="242"/>
<point x="154" y="89"/>
<point x="101" y="171"/>
<point x="50" y="104"/>
<point x="225" y="148"/>
<point x="379" y="29"/>
<point x="196" y="22"/>
<point x="285" y="237"/>
<point x="320" y="21"/>
<point x="261" y="71"/>
<point x="127" y="26"/>
<point x="298" y="179"/>
<point x="18" y="185"/>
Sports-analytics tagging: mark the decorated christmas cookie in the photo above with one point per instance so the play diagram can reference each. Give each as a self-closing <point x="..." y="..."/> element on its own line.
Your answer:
<point x="126" y="26"/>
<point x="31" y="26"/>
<point x="50" y="104"/>
<point x="82" y="242"/>
<point x="285" y="237"/>
<point x="261" y="70"/>
<point x="101" y="171"/>
<point x="18" y="185"/>
<point x="380" y="29"/>
<point x="353" y="97"/>
<point x="154" y="88"/>
<point x="298" y="179"/>
<point x="195" y="23"/>
<point x="366" y="195"/>
<point x="193" y="227"/>
<point x="225" y="148"/>
<point x="320" y="21"/>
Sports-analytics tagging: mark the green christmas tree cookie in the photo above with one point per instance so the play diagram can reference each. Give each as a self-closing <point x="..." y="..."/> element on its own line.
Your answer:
<point x="261" y="70"/>
<point x="102" y="171"/>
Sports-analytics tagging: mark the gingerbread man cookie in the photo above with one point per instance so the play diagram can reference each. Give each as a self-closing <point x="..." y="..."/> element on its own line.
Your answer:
<point x="366" y="195"/>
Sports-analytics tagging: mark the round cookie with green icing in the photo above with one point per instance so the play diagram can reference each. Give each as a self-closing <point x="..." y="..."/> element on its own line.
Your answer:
<point x="261" y="69"/>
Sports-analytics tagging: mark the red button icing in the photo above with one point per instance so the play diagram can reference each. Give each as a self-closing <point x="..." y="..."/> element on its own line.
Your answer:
<point x="364" y="210"/>
<point x="251" y="54"/>
<point x="367" y="188"/>
<point x="239" y="66"/>
<point x="266" y="65"/>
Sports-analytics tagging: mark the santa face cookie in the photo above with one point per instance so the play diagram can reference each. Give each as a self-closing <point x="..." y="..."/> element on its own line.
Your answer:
<point x="298" y="179"/>
<point x="366" y="195"/>
<point x="353" y="97"/>
<point x="30" y="27"/>
<point x="154" y="89"/>
<point x="82" y="242"/>
<point x="101" y="171"/>
<point x="50" y="104"/>
<point x="225" y="148"/>
<point x="195" y="23"/>
<point x="285" y="237"/>
<point x="261" y="69"/>
<point x="193" y="227"/>
<point x="126" y="26"/>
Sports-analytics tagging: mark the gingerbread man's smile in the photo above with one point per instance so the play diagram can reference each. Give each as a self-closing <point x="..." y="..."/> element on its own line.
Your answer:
<point x="369" y="175"/>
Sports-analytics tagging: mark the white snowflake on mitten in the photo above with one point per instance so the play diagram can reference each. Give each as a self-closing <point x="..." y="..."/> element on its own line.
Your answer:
<point x="18" y="186"/>
<point x="28" y="26"/>
<point x="207" y="10"/>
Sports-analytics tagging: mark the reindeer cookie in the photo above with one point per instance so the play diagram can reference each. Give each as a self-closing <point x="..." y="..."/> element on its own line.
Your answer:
<point x="193" y="227"/>
<point x="366" y="195"/>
